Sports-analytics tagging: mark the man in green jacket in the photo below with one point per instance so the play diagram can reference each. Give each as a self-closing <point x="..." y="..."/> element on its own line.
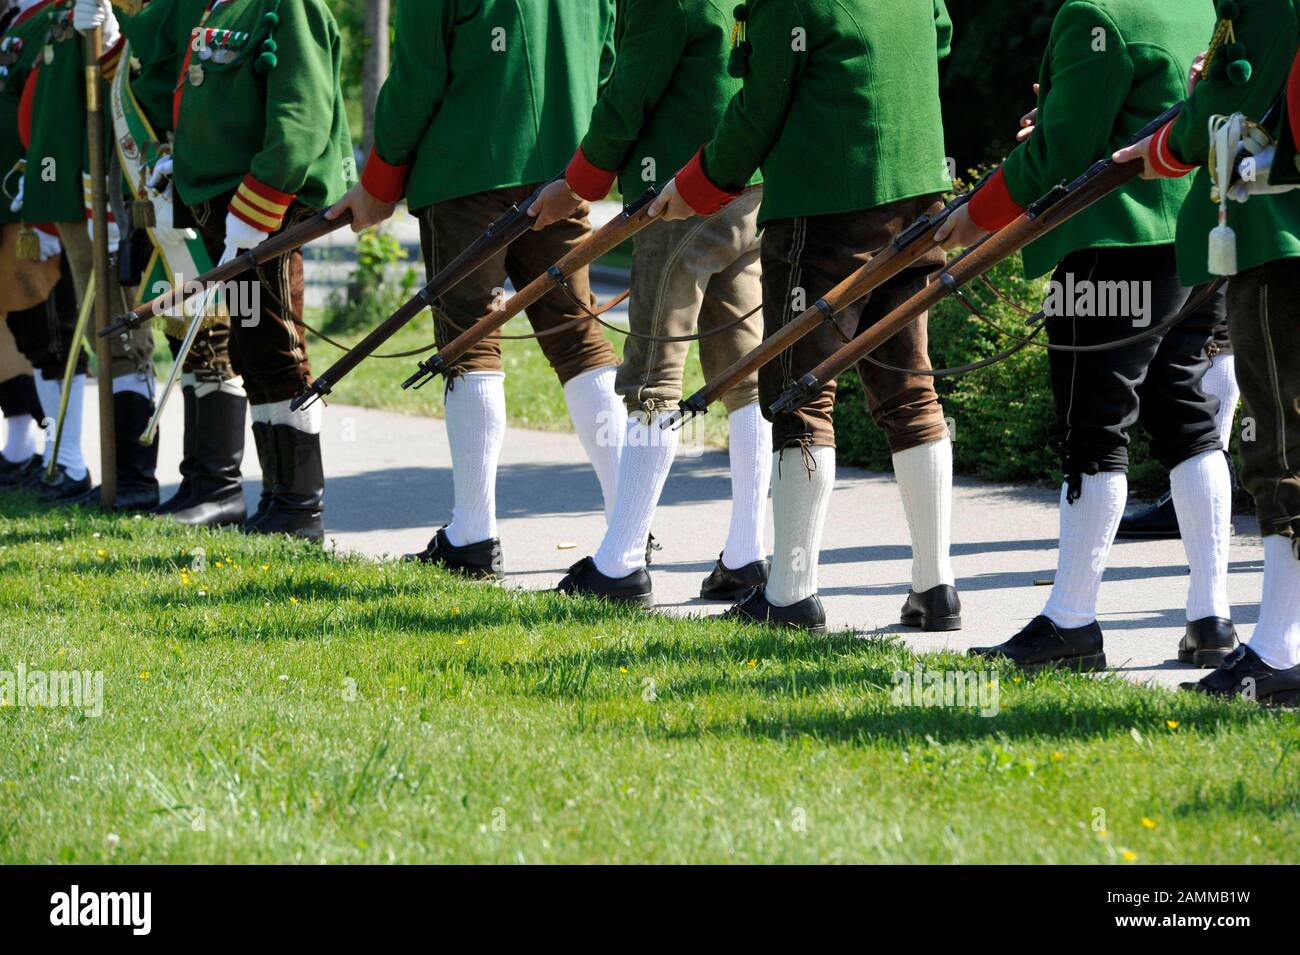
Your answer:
<point x="1111" y="66"/>
<point x="1246" y="72"/>
<point x="260" y="144"/>
<point x="486" y="100"/>
<point x="840" y="110"/>
<point x="669" y="90"/>
<point x="56" y="189"/>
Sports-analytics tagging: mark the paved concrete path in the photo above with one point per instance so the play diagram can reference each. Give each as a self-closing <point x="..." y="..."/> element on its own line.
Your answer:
<point x="390" y="484"/>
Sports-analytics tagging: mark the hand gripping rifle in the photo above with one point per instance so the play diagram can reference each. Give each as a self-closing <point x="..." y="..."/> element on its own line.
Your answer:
<point x="622" y="227"/>
<point x="1058" y="206"/>
<point x="914" y="242"/>
<point x="273" y="248"/>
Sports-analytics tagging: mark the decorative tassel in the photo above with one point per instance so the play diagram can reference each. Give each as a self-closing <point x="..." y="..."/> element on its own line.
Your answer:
<point x="142" y="214"/>
<point x="29" y="245"/>
<point x="1223" y="249"/>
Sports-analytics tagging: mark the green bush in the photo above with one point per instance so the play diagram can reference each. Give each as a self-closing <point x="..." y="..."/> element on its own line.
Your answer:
<point x="370" y="297"/>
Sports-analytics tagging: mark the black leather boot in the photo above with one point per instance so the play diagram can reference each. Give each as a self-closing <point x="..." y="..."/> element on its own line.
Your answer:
<point x="482" y="560"/>
<point x="217" y="489"/>
<point x="16" y="474"/>
<point x="297" y="495"/>
<point x="936" y="609"/>
<point x="585" y="578"/>
<point x="723" y="583"/>
<point x="1207" y="642"/>
<point x="1244" y="674"/>
<point x="808" y="614"/>
<point x="189" y="460"/>
<point x="63" y="489"/>
<point x="264" y="441"/>
<point x="1042" y="644"/>
<point x="1156" y="521"/>
<point x="137" y="464"/>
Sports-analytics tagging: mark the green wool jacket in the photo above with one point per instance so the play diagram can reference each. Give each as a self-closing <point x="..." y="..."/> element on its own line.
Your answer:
<point x="55" y="94"/>
<point x="486" y="94"/>
<point x="668" y="93"/>
<point x="1267" y="227"/>
<point x="276" y="134"/>
<point x="839" y="108"/>
<point x="20" y="49"/>
<point x="1111" y="67"/>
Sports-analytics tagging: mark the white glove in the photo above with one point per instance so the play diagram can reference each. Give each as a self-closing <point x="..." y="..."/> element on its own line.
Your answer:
<point x="162" y="170"/>
<point x="114" y="235"/>
<point x="17" y="204"/>
<point x="50" y="246"/>
<point x="240" y="235"/>
<point x="89" y="14"/>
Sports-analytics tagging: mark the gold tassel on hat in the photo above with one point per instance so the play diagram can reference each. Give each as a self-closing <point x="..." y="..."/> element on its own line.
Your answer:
<point x="29" y="245"/>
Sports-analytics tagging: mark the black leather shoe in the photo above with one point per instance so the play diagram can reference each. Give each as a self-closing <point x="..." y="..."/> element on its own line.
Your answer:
<point x="936" y="609"/>
<point x="723" y="583"/>
<point x="1207" y="642"/>
<point x="1042" y="644"/>
<point x="63" y="489"/>
<point x="1156" y="521"/>
<point x="808" y="614"/>
<point x="1244" y="674"/>
<point x="482" y="560"/>
<point x="585" y="577"/>
<point x="21" y="473"/>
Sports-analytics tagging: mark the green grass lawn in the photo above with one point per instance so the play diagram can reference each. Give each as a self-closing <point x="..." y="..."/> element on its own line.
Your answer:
<point x="279" y="704"/>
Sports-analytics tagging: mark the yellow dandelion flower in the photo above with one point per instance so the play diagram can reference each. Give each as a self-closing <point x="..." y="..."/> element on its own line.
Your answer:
<point x="1148" y="822"/>
<point x="1173" y="724"/>
<point x="62" y="652"/>
<point x="752" y="663"/>
<point x="144" y="674"/>
<point x="455" y="611"/>
<point x="101" y="554"/>
<point x="266" y="566"/>
<point x="1128" y="855"/>
<point x="1057" y="756"/>
<point x="293" y="600"/>
<point x="218" y="564"/>
<point x="622" y="669"/>
<point x="460" y="643"/>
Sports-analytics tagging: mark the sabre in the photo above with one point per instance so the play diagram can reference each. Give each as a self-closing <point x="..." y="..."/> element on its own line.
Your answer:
<point x="187" y="343"/>
<point x="69" y="372"/>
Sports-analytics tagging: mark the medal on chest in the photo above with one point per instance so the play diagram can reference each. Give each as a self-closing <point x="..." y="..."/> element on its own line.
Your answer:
<point x="196" y="75"/>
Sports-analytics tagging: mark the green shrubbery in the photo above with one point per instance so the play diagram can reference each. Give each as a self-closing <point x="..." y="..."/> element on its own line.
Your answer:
<point x="371" y="297"/>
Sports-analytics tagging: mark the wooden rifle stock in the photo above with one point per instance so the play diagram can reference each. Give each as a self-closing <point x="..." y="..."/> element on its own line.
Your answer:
<point x="499" y="235"/>
<point x="273" y="248"/>
<point x="622" y="227"/>
<point x="1058" y="206"/>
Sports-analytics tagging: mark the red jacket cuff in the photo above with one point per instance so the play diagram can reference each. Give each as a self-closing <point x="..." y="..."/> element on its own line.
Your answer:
<point x="109" y="60"/>
<point x="383" y="180"/>
<point x="992" y="208"/>
<point x="699" y="192"/>
<point x="1162" y="159"/>
<point x="590" y="182"/>
<point x="259" y="205"/>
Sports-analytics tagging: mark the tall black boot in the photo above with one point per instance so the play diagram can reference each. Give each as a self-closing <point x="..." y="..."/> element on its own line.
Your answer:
<point x="137" y="464"/>
<point x="217" y="493"/>
<point x="190" y="464"/>
<point x="297" y="497"/>
<point x="264" y="441"/>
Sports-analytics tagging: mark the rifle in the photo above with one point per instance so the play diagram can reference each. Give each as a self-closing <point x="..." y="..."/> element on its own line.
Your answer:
<point x="499" y="235"/>
<point x="907" y="247"/>
<point x="273" y="248"/>
<point x="1062" y="203"/>
<point x="622" y="227"/>
<point x="93" y="46"/>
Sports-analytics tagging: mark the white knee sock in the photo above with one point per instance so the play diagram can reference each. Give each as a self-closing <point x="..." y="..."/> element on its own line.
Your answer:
<point x="750" y="449"/>
<point x="307" y="420"/>
<point x="1088" y="529"/>
<point x="20" y="438"/>
<point x="1277" y="635"/>
<point x="476" y="429"/>
<point x="600" y="419"/>
<point x="140" y="384"/>
<point x="1202" y="489"/>
<point x="1221" y="381"/>
<point x="648" y="453"/>
<point x="925" y="482"/>
<point x="49" y="390"/>
<point x="799" y="503"/>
